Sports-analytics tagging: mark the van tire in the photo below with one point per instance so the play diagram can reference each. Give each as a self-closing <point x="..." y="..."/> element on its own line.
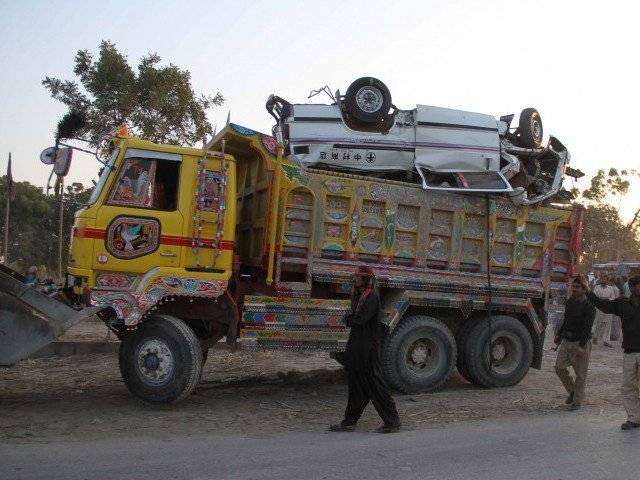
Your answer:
<point x="419" y="355"/>
<point x="172" y="365"/>
<point x="368" y="100"/>
<point x="512" y="349"/>
<point x="530" y="128"/>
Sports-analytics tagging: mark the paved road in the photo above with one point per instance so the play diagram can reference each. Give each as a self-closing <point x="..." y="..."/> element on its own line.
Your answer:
<point x="561" y="446"/>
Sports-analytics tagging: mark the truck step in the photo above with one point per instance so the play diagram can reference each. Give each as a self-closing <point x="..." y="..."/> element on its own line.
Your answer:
<point x="297" y="323"/>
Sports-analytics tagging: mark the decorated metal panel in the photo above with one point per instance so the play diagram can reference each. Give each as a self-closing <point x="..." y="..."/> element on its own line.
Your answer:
<point x="424" y="240"/>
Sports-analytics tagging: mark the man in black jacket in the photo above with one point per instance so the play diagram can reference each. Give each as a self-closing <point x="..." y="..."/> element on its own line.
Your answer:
<point x="574" y="338"/>
<point x="362" y="359"/>
<point x="628" y="309"/>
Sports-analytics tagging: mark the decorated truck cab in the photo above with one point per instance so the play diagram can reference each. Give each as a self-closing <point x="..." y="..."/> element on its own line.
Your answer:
<point x="181" y="248"/>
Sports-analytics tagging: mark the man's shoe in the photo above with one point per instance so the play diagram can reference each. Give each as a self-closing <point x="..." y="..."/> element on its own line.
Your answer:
<point x="388" y="428"/>
<point x="569" y="399"/>
<point x="341" y="427"/>
<point x="573" y="407"/>
<point x="629" y="425"/>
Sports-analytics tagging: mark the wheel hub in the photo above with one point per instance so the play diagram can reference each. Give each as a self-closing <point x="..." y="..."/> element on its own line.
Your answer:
<point x="536" y="129"/>
<point x="155" y="362"/>
<point x="498" y="351"/>
<point x="505" y="353"/>
<point x="419" y="354"/>
<point x="369" y="99"/>
<point x="422" y="355"/>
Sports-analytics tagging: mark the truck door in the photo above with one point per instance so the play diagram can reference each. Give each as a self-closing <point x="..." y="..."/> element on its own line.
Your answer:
<point x="141" y="215"/>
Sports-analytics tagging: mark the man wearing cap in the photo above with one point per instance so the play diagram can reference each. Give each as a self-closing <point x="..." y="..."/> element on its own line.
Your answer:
<point x="362" y="359"/>
<point x="628" y="309"/>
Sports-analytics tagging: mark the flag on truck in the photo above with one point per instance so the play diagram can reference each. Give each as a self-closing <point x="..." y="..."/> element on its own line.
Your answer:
<point x="11" y="186"/>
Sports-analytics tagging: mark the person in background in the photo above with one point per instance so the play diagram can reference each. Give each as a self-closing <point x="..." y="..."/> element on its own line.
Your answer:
<point x="362" y="359"/>
<point x="626" y="291"/>
<point x="602" y="331"/>
<point x="31" y="277"/>
<point x="574" y="338"/>
<point x="628" y="309"/>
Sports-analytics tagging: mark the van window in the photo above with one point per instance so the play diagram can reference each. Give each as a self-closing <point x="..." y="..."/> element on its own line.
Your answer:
<point x="147" y="183"/>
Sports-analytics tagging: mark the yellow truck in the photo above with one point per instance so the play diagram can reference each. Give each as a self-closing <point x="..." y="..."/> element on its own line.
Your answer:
<point x="180" y="248"/>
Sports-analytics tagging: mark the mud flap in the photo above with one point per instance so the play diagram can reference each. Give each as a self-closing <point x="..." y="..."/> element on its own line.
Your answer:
<point x="29" y="320"/>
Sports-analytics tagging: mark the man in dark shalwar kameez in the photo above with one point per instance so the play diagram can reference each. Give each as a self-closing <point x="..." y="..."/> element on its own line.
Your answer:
<point x="362" y="359"/>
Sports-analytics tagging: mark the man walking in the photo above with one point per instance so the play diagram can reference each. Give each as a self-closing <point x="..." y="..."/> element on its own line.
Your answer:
<point x="628" y="309"/>
<point x="362" y="360"/>
<point x="574" y="338"/>
<point x="602" y="333"/>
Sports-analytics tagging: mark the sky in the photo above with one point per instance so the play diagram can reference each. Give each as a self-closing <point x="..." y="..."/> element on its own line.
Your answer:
<point x="575" y="61"/>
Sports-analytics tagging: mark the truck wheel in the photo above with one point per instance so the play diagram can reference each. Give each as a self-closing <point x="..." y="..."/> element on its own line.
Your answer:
<point x="461" y="341"/>
<point x="368" y="100"/>
<point x="161" y="362"/>
<point x="530" y="128"/>
<point x="419" y="355"/>
<point x="510" y="349"/>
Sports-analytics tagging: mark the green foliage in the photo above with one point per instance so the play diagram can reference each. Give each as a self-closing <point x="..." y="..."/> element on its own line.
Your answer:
<point x="611" y="184"/>
<point x="606" y="237"/>
<point x="156" y="102"/>
<point x="33" y="225"/>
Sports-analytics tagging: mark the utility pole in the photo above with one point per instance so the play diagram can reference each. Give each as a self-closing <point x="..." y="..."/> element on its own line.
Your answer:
<point x="60" y="221"/>
<point x="8" y="193"/>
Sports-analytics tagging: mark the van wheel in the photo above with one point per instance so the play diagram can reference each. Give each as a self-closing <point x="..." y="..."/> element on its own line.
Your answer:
<point x="419" y="355"/>
<point x="530" y="128"/>
<point x="161" y="362"/>
<point x="368" y="100"/>
<point x="500" y="354"/>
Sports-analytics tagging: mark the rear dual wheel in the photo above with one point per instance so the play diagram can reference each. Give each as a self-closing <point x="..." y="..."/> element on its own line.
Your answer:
<point x="496" y="353"/>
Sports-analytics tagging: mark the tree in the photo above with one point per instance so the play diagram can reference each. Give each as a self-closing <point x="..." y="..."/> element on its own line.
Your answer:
<point x="33" y="227"/>
<point x="156" y="102"/>
<point x="606" y="237"/>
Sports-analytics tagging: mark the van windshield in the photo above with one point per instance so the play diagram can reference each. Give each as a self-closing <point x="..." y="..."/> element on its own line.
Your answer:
<point x="104" y="174"/>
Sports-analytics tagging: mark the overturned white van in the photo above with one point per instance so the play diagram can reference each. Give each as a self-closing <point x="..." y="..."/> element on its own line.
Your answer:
<point x="442" y="148"/>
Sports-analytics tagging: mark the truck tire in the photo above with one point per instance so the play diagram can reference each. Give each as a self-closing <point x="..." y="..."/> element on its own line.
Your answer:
<point x="461" y="341"/>
<point x="368" y="100"/>
<point x="161" y="362"/>
<point x="419" y="355"/>
<point x="530" y="128"/>
<point x="511" y="347"/>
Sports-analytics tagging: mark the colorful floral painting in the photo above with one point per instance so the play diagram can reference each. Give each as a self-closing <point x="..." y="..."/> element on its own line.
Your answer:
<point x="132" y="237"/>
<point x="209" y="191"/>
<point x="134" y="185"/>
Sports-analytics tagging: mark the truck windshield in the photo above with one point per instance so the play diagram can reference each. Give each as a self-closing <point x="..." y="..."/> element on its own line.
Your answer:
<point x="104" y="174"/>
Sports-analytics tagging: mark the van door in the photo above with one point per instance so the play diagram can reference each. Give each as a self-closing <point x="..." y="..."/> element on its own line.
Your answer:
<point x="141" y="216"/>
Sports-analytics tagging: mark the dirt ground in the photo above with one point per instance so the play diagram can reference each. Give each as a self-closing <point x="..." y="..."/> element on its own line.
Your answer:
<point x="254" y="393"/>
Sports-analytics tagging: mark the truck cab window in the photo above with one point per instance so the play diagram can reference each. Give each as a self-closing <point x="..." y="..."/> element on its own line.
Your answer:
<point x="165" y="187"/>
<point x="147" y="183"/>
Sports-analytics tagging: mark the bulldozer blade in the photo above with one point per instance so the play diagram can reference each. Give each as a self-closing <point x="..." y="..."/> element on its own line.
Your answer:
<point x="29" y="319"/>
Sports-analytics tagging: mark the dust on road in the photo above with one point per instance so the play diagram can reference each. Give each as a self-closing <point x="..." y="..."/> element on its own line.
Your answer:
<point x="255" y="393"/>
